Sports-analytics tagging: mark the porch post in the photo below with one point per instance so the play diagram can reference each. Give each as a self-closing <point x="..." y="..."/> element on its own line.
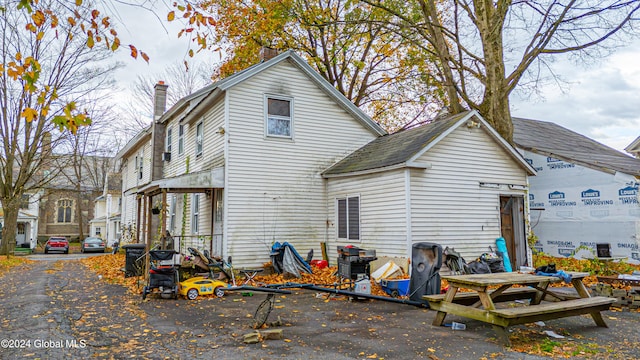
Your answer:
<point x="163" y="221"/>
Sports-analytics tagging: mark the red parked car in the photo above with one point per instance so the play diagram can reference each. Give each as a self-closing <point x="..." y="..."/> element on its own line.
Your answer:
<point x="57" y="243"/>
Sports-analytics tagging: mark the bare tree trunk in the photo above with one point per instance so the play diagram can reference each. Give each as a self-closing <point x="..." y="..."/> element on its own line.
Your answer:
<point x="79" y="216"/>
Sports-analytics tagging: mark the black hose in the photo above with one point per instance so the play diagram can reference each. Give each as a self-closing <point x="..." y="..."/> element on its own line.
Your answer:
<point x="355" y="294"/>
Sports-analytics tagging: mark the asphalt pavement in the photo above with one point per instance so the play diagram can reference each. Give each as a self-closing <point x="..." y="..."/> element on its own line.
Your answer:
<point x="59" y="309"/>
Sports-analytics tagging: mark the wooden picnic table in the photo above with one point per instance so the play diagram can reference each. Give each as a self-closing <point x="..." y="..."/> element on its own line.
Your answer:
<point x="489" y="289"/>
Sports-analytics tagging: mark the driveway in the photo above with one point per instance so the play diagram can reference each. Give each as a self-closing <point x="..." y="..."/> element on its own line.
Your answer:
<point x="60" y="310"/>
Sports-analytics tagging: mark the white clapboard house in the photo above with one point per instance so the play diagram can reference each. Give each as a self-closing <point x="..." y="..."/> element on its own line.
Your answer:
<point x="275" y="153"/>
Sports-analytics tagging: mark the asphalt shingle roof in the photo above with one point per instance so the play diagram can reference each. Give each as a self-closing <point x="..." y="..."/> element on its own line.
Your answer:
<point x="393" y="149"/>
<point x="547" y="138"/>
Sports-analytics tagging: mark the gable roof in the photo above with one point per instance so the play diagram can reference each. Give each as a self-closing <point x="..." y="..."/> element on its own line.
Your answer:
<point x="634" y="146"/>
<point x="403" y="148"/>
<point x="549" y="139"/>
<point x="199" y="100"/>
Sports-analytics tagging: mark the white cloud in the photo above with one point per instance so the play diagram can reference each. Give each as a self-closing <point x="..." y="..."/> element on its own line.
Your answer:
<point x="601" y="102"/>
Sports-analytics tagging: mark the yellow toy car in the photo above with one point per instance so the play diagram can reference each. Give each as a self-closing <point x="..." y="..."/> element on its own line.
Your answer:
<point x="192" y="288"/>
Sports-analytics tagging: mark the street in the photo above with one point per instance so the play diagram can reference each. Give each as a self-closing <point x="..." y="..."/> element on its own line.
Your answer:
<point x="59" y="309"/>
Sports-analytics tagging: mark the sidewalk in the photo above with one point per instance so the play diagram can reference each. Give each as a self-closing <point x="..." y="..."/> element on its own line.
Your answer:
<point x="64" y="301"/>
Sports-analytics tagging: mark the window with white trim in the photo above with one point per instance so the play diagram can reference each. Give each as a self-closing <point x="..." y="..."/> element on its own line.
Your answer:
<point x="195" y="212"/>
<point x="139" y="164"/>
<point x="98" y="232"/>
<point x="180" y="139"/>
<point x="65" y="210"/>
<point x="24" y="201"/>
<point x="199" y="138"/>
<point x="172" y="212"/>
<point x="279" y="118"/>
<point x="169" y="139"/>
<point x="348" y="213"/>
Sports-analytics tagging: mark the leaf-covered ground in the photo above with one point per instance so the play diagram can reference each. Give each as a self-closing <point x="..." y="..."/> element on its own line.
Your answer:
<point x="7" y="263"/>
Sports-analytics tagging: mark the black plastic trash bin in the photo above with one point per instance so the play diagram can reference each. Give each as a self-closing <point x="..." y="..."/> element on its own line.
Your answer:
<point x="426" y="261"/>
<point x="134" y="259"/>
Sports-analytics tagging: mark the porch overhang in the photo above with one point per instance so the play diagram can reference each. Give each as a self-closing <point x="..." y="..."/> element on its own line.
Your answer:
<point x="188" y="183"/>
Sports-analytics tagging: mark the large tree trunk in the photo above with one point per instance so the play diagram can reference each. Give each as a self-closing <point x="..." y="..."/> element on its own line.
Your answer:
<point x="495" y="102"/>
<point x="10" y="207"/>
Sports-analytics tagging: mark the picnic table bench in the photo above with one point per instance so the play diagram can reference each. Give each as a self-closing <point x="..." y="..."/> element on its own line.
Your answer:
<point x="480" y="304"/>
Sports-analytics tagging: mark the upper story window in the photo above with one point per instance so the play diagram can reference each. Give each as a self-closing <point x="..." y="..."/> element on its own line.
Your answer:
<point x="279" y="116"/>
<point x="139" y="165"/>
<point x="168" y="143"/>
<point x="349" y="218"/>
<point x="199" y="138"/>
<point x="180" y="139"/>
<point x="24" y="202"/>
<point x="65" y="210"/>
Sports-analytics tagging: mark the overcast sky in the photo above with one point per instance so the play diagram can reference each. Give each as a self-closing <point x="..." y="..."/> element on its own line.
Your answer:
<point x="601" y="101"/>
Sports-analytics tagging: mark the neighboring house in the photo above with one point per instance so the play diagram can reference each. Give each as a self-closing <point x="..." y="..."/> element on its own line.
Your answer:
<point x="27" y="228"/>
<point x="585" y="193"/>
<point x="134" y="163"/>
<point x="634" y="148"/>
<point x="67" y="201"/>
<point x="106" y="221"/>
<point x="258" y="157"/>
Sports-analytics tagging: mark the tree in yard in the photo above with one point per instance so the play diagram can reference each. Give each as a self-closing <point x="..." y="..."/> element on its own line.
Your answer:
<point x="347" y="42"/>
<point x="88" y="157"/>
<point x="47" y="69"/>
<point x="182" y="81"/>
<point x="485" y="49"/>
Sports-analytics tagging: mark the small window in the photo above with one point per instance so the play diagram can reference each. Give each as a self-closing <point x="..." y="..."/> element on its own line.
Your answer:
<point x="172" y="212"/>
<point x="180" y="139"/>
<point x="279" y="119"/>
<point x="168" y="144"/>
<point x="24" y="202"/>
<point x="65" y="209"/>
<point x="199" y="138"/>
<point x="139" y="165"/>
<point x="348" y="213"/>
<point x="195" y="212"/>
<point x="98" y="231"/>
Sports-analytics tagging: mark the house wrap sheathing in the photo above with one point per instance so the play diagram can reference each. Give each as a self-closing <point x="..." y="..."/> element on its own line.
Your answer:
<point x="584" y="194"/>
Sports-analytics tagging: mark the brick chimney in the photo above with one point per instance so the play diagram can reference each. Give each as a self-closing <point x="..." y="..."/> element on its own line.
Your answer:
<point x="158" y="130"/>
<point x="267" y="53"/>
<point x="159" y="100"/>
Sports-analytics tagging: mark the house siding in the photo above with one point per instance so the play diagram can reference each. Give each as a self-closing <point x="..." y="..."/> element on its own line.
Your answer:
<point x="213" y="144"/>
<point x="131" y="181"/>
<point x="382" y="212"/>
<point x="448" y="205"/>
<point x="272" y="195"/>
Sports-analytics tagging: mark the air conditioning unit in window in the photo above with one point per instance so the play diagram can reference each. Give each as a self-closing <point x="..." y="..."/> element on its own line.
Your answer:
<point x="166" y="156"/>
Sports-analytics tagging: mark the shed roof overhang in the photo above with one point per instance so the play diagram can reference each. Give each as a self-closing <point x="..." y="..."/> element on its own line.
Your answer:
<point x="188" y="183"/>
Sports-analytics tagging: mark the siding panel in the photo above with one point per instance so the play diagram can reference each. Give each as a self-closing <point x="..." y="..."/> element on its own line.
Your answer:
<point x="274" y="188"/>
<point x="448" y="205"/>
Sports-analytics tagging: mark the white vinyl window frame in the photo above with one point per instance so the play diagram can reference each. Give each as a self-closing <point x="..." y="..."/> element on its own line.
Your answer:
<point x="199" y="138"/>
<point x="169" y="140"/>
<point x="140" y="165"/>
<point x="180" y="139"/>
<point x="275" y="122"/>
<point x="348" y="218"/>
<point x="195" y="213"/>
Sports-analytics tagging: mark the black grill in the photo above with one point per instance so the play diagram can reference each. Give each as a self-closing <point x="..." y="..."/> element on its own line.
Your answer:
<point x="353" y="262"/>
